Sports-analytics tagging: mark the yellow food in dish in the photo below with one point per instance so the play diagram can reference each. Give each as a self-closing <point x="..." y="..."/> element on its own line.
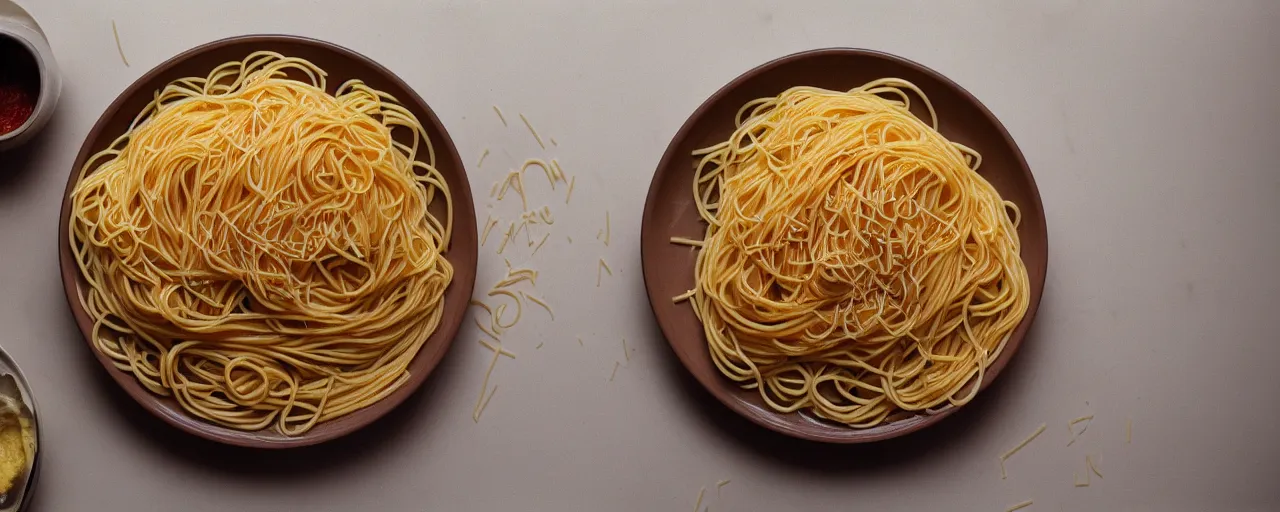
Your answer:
<point x="13" y="453"/>
<point x="855" y="264"/>
<point x="17" y="442"/>
<point x="262" y="250"/>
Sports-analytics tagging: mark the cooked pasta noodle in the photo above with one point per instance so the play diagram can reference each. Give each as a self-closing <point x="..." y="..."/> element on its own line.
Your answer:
<point x="119" y="47"/>
<point x="855" y="265"/>
<point x="261" y="250"/>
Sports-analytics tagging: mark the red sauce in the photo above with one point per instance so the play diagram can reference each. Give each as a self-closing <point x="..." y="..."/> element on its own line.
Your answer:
<point x="19" y="85"/>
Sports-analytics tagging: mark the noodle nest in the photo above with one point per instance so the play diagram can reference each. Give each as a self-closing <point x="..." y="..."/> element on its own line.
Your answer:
<point x="855" y="265"/>
<point x="262" y="250"/>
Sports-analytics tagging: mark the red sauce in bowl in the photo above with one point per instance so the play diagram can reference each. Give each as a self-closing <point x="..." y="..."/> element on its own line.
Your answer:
<point x="19" y="84"/>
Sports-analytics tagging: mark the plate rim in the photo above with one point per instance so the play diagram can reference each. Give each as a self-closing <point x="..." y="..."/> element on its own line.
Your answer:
<point x="769" y="418"/>
<point x="463" y="212"/>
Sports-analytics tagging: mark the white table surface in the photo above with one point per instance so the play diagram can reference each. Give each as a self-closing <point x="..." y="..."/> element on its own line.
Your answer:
<point x="1150" y="127"/>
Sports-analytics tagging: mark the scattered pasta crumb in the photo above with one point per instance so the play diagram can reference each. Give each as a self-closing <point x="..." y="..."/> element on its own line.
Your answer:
<point x="486" y="330"/>
<point x="119" y="47"/>
<point x="484" y="385"/>
<point x="1088" y="462"/>
<point x="602" y="266"/>
<point x="1075" y="478"/>
<point x="1019" y="506"/>
<point x="488" y="226"/>
<point x="485" y="405"/>
<point x="505" y="238"/>
<point x="529" y="125"/>
<point x="539" y="246"/>
<point x="546" y="169"/>
<point x="559" y="170"/>
<point x="500" y="116"/>
<point x="498" y="349"/>
<point x="1005" y="456"/>
<point x="1071" y="426"/>
<point x="543" y="304"/>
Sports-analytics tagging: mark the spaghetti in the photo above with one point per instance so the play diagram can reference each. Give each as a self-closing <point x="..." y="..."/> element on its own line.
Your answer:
<point x="261" y="250"/>
<point x="854" y="264"/>
<point x="119" y="47"/>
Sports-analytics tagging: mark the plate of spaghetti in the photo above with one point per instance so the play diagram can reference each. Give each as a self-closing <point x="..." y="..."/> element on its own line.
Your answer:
<point x="843" y="246"/>
<point x="268" y="241"/>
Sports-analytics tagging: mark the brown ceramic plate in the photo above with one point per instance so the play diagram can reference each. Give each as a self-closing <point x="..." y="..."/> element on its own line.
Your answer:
<point x="669" y="211"/>
<point x="341" y="64"/>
